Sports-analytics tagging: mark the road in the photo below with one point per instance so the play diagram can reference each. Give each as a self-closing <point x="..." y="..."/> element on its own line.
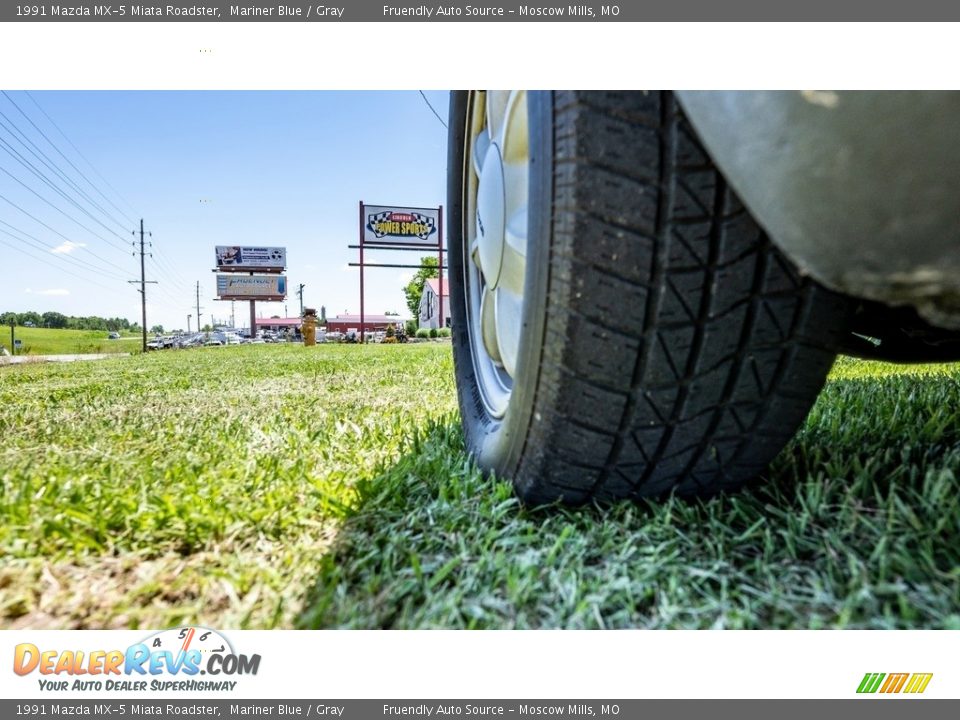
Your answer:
<point x="22" y="359"/>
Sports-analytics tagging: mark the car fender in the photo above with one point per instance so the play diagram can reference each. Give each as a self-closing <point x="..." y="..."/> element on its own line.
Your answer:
<point x="860" y="189"/>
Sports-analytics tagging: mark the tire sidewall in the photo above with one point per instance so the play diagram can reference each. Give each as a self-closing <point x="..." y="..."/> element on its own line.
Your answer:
<point x="498" y="443"/>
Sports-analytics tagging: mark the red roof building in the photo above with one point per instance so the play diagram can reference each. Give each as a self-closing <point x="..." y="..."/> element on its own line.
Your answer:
<point x="344" y="323"/>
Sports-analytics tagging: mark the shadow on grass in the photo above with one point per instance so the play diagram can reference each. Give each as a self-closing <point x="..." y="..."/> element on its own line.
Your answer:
<point x="856" y="525"/>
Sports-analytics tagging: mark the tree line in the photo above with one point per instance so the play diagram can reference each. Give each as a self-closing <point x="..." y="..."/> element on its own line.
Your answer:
<point x="59" y="321"/>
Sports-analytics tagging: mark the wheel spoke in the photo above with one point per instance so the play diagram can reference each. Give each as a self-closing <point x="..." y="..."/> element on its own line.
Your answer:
<point x="515" y="136"/>
<point x="490" y="218"/>
<point x="488" y="325"/>
<point x="496" y="110"/>
<point x="509" y="320"/>
<point x="516" y="178"/>
<point x="481" y="143"/>
<point x="475" y="254"/>
<point x="513" y="266"/>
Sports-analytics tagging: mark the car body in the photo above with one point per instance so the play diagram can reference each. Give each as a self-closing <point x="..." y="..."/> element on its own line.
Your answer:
<point x="859" y="189"/>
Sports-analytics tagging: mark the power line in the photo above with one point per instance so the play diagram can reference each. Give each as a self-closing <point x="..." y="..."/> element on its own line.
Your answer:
<point x="30" y="166"/>
<point x="37" y="243"/>
<point x="40" y="155"/>
<point x="61" y="269"/>
<point x="55" y="207"/>
<point x="57" y="232"/>
<point x="176" y="289"/>
<point x="54" y="146"/>
<point x="429" y="106"/>
<point x="90" y="164"/>
<point x="161" y="270"/>
<point x="163" y="261"/>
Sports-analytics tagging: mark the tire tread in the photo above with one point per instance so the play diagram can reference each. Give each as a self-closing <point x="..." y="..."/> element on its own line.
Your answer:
<point x="681" y="349"/>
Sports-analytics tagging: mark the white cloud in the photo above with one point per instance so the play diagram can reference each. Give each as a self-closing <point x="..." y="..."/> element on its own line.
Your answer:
<point x="48" y="291"/>
<point x="66" y="247"/>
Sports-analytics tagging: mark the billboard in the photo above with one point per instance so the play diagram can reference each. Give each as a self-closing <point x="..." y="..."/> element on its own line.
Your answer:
<point x="251" y="287"/>
<point x="401" y="226"/>
<point x="232" y="257"/>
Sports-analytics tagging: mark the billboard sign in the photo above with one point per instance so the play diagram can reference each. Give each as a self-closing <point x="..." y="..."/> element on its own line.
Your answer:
<point x="251" y="287"/>
<point x="401" y="226"/>
<point x="251" y="258"/>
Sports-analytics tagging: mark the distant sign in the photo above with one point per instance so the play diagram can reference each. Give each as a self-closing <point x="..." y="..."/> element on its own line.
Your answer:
<point x="251" y="287"/>
<point x="400" y="225"/>
<point x="251" y="258"/>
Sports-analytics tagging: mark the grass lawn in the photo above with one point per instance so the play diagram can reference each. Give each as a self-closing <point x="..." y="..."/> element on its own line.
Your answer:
<point x="46" y="341"/>
<point x="276" y="486"/>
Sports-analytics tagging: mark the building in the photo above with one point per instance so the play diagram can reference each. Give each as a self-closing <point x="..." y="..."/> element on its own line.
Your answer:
<point x="430" y="304"/>
<point x="278" y="324"/>
<point x="372" y="323"/>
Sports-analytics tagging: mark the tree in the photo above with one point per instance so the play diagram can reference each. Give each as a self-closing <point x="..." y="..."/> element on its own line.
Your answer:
<point x="8" y="319"/>
<point x="157" y="329"/>
<point x="54" y="320"/>
<point x="414" y="288"/>
<point x="28" y="317"/>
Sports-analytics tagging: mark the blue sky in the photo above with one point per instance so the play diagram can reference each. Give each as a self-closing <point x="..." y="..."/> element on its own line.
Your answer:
<point x="205" y="169"/>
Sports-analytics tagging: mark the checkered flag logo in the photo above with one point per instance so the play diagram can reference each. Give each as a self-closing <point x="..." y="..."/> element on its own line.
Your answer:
<point x="374" y="223"/>
<point x="377" y="222"/>
<point x="427" y="222"/>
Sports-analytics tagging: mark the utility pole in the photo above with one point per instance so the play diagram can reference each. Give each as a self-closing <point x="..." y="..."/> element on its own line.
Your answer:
<point x="199" y="316"/>
<point x="188" y="323"/>
<point x="300" y="293"/>
<point x="143" y="283"/>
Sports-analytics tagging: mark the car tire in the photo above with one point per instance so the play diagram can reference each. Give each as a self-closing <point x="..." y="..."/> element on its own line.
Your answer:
<point x="660" y="344"/>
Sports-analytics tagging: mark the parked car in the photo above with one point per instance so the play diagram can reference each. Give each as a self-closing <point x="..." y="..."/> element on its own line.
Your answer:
<point x="113" y="336"/>
<point x="648" y="289"/>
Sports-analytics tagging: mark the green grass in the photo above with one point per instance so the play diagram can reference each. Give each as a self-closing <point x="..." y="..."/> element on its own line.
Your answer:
<point x="46" y="341"/>
<point x="278" y="486"/>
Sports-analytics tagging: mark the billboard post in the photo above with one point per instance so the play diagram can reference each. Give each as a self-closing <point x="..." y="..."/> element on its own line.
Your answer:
<point x="363" y="337"/>
<point x="440" y="320"/>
